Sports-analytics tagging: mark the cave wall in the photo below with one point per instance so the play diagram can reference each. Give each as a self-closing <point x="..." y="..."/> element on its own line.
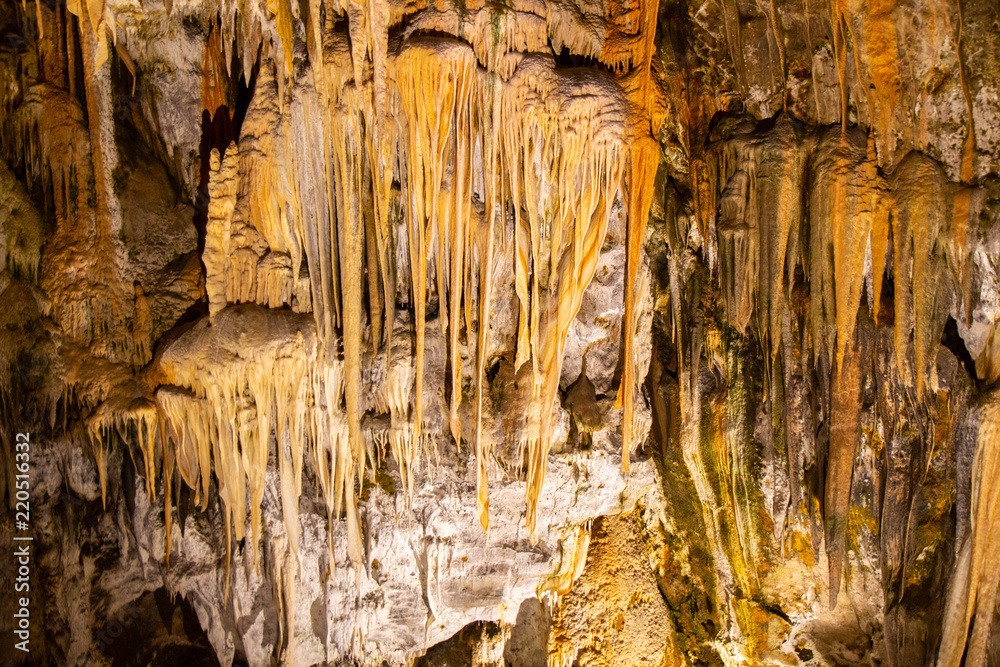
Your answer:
<point x="561" y="333"/>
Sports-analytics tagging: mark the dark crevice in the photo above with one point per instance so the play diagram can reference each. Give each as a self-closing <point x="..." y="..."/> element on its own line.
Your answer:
<point x="156" y="629"/>
<point x="564" y="58"/>
<point x="952" y="340"/>
<point x="218" y="130"/>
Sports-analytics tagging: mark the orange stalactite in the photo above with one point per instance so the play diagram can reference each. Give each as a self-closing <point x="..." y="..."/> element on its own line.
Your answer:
<point x="168" y="475"/>
<point x="213" y="75"/>
<point x="457" y="223"/>
<point x="565" y="153"/>
<point x="961" y="218"/>
<point x="844" y="436"/>
<point x="632" y="44"/>
<point x="643" y="163"/>
<point x="436" y="159"/>
<point x="348" y="148"/>
<point x="918" y="220"/>
<point x="489" y="99"/>
<point x="883" y="58"/>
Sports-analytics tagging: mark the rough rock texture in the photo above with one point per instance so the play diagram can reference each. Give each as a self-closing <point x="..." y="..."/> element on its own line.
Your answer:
<point x="614" y="613"/>
<point x="502" y="333"/>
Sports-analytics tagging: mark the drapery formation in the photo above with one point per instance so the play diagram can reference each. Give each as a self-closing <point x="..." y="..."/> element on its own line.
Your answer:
<point x="366" y="175"/>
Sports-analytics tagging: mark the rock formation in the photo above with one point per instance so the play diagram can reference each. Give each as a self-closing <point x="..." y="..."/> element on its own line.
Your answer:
<point x="531" y="332"/>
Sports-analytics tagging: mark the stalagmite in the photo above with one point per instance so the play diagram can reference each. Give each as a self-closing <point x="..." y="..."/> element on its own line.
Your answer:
<point x="222" y="188"/>
<point x="264" y="190"/>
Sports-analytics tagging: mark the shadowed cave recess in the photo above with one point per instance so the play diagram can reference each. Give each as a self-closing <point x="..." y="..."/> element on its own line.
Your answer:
<point x="530" y="333"/>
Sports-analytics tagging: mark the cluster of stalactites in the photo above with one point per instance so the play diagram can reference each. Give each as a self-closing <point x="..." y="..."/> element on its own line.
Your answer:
<point x="233" y="418"/>
<point x="61" y="137"/>
<point x="475" y="134"/>
<point x="232" y="414"/>
<point x="838" y="239"/>
<point x="761" y="224"/>
<point x="20" y="228"/>
<point x="125" y="417"/>
<point x="48" y="135"/>
<point x="563" y="153"/>
<point x="547" y="140"/>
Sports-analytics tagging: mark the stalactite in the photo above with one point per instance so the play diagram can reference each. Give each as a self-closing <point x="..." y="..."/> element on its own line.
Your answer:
<point x="97" y="87"/>
<point x="457" y="222"/>
<point x="918" y="259"/>
<point x="434" y="78"/>
<point x="213" y="80"/>
<point x="849" y="215"/>
<point x="187" y="430"/>
<point x="21" y="228"/>
<point x="964" y="209"/>
<point x="169" y="462"/>
<point x="849" y="210"/>
<point x="689" y="339"/>
<point x="560" y="158"/>
<point x="128" y="416"/>
<point x="381" y="147"/>
<point x="348" y="151"/>
<point x="759" y="183"/>
<point x="635" y="46"/>
<point x="51" y="140"/>
<point x="316" y="221"/>
<point x="221" y="410"/>
<point x="393" y="152"/>
<point x="799" y="432"/>
<point x="577" y="142"/>
<point x="844" y="434"/>
<point x="490" y="96"/>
